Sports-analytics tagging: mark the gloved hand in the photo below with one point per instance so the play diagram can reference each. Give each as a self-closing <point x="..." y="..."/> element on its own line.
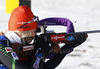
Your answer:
<point x="79" y="39"/>
<point x="41" y="43"/>
<point x="46" y="48"/>
<point x="55" y="47"/>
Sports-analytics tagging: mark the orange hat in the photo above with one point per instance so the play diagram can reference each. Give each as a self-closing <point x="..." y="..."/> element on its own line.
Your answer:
<point x="20" y="16"/>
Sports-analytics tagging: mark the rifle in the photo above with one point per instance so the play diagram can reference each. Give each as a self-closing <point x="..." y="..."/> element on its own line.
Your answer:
<point x="51" y="36"/>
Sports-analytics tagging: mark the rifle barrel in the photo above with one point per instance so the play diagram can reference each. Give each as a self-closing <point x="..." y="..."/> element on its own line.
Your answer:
<point x="93" y="31"/>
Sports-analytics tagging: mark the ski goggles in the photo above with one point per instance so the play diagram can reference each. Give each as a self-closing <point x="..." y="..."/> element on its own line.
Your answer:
<point x="35" y="19"/>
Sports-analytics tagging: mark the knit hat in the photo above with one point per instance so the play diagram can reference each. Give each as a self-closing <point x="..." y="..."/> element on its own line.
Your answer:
<point x="22" y="19"/>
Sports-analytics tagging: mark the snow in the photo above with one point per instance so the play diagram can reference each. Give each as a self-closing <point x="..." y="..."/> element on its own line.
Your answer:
<point x="85" y="15"/>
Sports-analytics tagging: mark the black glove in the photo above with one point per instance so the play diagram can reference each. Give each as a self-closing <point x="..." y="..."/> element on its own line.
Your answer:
<point x="79" y="39"/>
<point x="41" y="43"/>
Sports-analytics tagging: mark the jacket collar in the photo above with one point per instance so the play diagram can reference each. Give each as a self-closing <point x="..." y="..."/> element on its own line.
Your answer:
<point x="13" y="37"/>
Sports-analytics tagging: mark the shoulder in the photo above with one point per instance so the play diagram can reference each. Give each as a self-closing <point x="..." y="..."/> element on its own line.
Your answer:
<point x="3" y="38"/>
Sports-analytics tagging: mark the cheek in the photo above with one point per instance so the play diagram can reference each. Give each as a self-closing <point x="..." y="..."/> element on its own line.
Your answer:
<point x="33" y="34"/>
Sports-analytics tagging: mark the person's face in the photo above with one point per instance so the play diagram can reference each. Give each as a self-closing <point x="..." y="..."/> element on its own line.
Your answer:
<point x="28" y="36"/>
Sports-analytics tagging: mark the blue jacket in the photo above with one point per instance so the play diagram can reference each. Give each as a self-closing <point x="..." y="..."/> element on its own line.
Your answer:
<point x="3" y="40"/>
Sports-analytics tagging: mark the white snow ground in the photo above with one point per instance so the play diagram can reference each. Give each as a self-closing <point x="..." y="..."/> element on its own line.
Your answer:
<point x="86" y="13"/>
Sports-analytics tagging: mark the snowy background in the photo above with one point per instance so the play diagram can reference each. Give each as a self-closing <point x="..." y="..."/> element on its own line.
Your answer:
<point x="85" y="15"/>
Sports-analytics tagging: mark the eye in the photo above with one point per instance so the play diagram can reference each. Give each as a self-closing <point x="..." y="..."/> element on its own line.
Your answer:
<point x="35" y="31"/>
